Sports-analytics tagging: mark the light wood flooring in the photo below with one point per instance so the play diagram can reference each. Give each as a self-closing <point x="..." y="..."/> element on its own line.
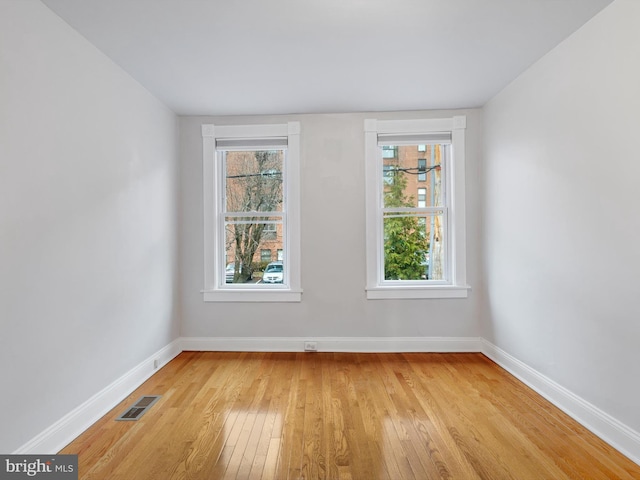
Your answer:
<point x="342" y="416"/>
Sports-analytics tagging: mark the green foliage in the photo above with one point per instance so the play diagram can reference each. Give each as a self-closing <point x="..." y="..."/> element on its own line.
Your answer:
<point x="405" y="243"/>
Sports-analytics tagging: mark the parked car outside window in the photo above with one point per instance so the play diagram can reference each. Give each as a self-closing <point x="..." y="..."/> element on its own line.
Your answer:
<point x="230" y="272"/>
<point x="274" y="273"/>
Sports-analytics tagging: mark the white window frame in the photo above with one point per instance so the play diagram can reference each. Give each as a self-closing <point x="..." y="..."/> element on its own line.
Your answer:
<point x="215" y="287"/>
<point x="456" y="285"/>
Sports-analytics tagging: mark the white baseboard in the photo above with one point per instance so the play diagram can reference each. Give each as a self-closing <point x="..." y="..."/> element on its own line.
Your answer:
<point x="58" y="435"/>
<point x="61" y="433"/>
<point x="333" y="344"/>
<point x="615" y="433"/>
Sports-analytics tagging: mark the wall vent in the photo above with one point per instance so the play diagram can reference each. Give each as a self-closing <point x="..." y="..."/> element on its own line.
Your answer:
<point x="138" y="409"/>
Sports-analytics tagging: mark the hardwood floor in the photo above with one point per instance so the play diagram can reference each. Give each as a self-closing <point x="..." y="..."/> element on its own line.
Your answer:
<point x="342" y="416"/>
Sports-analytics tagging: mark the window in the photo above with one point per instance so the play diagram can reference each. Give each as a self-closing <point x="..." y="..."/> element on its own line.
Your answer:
<point x="251" y="208"/>
<point x="265" y="255"/>
<point x="422" y="198"/>
<point x="415" y="246"/>
<point x="387" y="174"/>
<point x="270" y="232"/>
<point x="388" y="151"/>
<point x="422" y="169"/>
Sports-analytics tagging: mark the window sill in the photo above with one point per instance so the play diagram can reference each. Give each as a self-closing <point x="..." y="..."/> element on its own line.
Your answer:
<point x="283" y="296"/>
<point x="410" y="292"/>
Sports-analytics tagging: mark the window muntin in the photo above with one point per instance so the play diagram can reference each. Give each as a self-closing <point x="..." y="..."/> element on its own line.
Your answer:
<point x="251" y="207"/>
<point x="415" y="216"/>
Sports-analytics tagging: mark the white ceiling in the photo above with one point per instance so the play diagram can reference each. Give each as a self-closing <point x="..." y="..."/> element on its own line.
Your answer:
<point x="228" y="57"/>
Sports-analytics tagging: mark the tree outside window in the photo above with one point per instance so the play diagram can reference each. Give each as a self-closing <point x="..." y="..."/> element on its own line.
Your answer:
<point x="413" y="227"/>
<point x="253" y="206"/>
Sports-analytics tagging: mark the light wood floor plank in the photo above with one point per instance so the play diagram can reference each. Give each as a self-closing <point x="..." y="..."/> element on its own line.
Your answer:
<point x="275" y="416"/>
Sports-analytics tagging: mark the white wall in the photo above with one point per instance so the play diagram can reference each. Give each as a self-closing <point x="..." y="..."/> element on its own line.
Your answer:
<point x="561" y="228"/>
<point x="333" y="244"/>
<point x="88" y="182"/>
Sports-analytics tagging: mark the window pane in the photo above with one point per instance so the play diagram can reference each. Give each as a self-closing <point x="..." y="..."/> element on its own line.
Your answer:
<point x="249" y="244"/>
<point x="413" y="247"/>
<point x="402" y="175"/>
<point x="253" y="180"/>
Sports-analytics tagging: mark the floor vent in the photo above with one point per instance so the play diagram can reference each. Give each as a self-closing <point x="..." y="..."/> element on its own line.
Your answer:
<point x="139" y="408"/>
